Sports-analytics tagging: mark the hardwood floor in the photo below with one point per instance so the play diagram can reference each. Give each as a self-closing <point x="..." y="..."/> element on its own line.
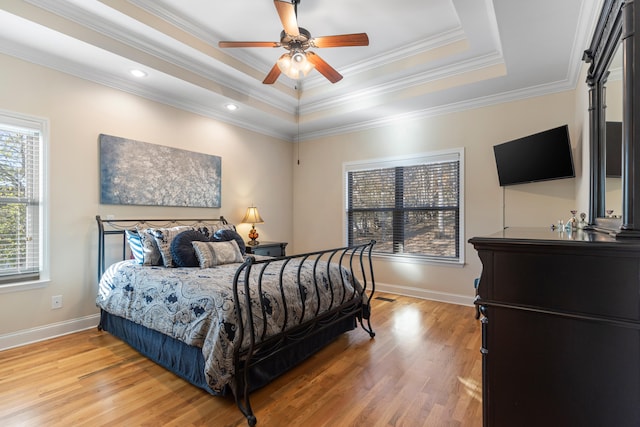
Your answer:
<point x="422" y="369"/>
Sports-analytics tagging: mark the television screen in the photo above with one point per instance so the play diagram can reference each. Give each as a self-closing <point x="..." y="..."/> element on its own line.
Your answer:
<point x="539" y="157"/>
<point x="614" y="149"/>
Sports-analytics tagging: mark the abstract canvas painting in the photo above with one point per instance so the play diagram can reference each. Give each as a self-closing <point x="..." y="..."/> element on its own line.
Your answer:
<point x="139" y="173"/>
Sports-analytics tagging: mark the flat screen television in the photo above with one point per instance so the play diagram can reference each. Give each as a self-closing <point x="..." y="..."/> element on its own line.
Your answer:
<point x="539" y="157"/>
<point x="614" y="149"/>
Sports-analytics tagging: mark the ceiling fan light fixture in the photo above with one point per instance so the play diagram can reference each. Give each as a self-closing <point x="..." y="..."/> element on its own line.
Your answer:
<point x="295" y="64"/>
<point x="298" y="57"/>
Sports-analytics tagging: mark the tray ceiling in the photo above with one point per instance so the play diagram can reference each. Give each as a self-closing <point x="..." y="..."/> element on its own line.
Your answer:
<point x="424" y="58"/>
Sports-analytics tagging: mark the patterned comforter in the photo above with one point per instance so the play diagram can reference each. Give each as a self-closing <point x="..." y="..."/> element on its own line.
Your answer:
<point x="196" y="305"/>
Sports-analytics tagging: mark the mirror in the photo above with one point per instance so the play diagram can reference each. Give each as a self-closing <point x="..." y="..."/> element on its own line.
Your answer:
<point x="614" y="32"/>
<point x="613" y="136"/>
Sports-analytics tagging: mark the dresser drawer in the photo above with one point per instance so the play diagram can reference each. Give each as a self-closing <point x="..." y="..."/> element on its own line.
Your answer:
<point x="275" y="249"/>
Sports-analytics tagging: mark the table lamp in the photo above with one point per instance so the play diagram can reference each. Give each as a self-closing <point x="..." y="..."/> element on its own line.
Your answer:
<point x="252" y="217"/>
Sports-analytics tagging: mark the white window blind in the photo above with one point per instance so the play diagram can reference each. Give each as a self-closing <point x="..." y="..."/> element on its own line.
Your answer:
<point x="21" y="143"/>
<point x="410" y="206"/>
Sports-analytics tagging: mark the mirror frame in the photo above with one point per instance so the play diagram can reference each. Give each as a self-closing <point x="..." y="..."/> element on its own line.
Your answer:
<point x="616" y="24"/>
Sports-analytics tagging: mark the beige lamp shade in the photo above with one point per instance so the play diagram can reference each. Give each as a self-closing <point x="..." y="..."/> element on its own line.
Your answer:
<point x="252" y="216"/>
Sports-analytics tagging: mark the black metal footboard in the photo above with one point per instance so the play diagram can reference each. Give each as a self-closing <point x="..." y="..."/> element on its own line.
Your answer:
<point x="346" y="302"/>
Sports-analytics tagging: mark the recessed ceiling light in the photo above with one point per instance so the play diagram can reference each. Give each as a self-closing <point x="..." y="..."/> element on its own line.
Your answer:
<point x="231" y="107"/>
<point x="138" y="73"/>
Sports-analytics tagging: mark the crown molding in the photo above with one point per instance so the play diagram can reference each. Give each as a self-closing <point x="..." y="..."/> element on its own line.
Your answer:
<point x="195" y="61"/>
<point x="480" y="102"/>
<point x="390" y="57"/>
<point x="50" y="61"/>
<point x="429" y="76"/>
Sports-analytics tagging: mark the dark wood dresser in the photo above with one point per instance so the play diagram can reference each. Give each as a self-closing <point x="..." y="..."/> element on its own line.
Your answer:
<point x="560" y="317"/>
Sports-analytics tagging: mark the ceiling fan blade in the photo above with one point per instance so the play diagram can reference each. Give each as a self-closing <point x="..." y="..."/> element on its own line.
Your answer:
<point x="249" y="44"/>
<point x="358" y="39"/>
<point x="287" y="14"/>
<point x="272" y="76"/>
<point x="323" y="68"/>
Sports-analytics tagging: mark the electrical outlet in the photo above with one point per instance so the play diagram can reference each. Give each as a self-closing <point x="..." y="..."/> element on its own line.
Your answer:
<point x="56" y="302"/>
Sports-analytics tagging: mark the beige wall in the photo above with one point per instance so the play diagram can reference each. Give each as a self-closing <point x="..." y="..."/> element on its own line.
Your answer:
<point x="318" y="184"/>
<point x="78" y="111"/>
<point x="302" y="204"/>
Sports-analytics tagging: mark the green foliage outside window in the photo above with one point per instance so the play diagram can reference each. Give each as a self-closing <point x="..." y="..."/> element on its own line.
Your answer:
<point x="18" y="197"/>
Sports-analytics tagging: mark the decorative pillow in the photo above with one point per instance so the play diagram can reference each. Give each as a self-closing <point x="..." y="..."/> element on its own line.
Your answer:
<point x="211" y="254"/>
<point x="135" y="244"/>
<point x="226" y="235"/>
<point x="150" y="252"/>
<point x="208" y="229"/>
<point x="183" y="252"/>
<point x="163" y="237"/>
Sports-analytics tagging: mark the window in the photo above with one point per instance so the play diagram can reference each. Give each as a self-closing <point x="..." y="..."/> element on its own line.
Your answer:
<point x="410" y="206"/>
<point x="22" y="213"/>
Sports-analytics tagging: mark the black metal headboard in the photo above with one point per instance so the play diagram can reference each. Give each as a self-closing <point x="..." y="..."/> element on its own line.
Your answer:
<point x="107" y="227"/>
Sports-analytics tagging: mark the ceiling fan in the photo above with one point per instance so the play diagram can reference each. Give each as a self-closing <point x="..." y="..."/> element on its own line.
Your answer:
<point x="297" y="40"/>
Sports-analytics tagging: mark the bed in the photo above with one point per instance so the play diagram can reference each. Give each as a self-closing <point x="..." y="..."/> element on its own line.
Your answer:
<point x="183" y="293"/>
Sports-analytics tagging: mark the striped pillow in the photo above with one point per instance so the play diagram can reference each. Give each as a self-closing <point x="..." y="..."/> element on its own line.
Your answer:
<point x="211" y="254"/>
<point x="226" y="234"/>
<point x="150" y="251"/>
<point x="135" y="244"/>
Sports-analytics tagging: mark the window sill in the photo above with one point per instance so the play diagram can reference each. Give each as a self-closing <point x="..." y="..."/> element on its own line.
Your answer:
<point x="23" y="286"/>
<point x="412" y="259"/>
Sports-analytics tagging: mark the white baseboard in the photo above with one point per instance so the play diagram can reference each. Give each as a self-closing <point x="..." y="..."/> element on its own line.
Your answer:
<point x="425" y="294"/>
<point x="41" y="333"/>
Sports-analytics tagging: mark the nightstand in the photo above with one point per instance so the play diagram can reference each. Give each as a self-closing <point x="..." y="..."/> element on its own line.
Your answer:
<point x="268" y="249"/>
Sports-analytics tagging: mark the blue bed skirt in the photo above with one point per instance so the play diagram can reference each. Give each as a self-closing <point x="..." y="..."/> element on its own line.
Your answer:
<point x="187" y="361"/>
<point x="184" y="360"/>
